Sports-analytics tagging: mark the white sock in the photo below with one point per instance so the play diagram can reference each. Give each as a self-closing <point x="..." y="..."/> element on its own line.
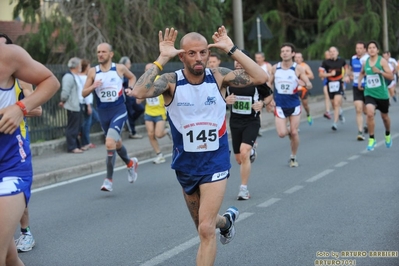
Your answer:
<point x="243" y="187"/>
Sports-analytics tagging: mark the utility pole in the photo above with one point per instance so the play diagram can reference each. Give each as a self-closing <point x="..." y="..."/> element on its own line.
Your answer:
<point x="385" y="25"/>
<point x="238" y="24"/>
<point x="258" y="34"/>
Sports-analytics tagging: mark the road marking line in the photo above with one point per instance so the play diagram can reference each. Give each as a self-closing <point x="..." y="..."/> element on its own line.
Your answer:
<point x="172" y="252"/>
<point x="268" y="202"/>
<point x="320" y="175"/>
<point x="293" y="189"/>
<point x="341" y="164"/>
<point x="354" y="157"/>
<point x="73" y="180"/>
<point x="184" y="246"/>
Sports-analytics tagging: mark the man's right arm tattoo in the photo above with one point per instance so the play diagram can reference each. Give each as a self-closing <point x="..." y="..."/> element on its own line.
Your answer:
<point x="147" y="79"/>
<point x="241" y="79"/>
<point x="162" y="84"/>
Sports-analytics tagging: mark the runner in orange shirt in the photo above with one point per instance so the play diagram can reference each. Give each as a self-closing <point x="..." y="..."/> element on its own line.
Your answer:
<point x="302" y="91"/>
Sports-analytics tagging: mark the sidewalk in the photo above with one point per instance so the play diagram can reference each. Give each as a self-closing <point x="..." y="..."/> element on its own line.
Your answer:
<point x="50" y="165"/>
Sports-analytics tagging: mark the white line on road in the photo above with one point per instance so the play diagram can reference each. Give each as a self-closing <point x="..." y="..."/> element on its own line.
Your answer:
<point x="89" y="176"/>
<point x="354" y="157"/>
<point x="320" y="175"/>
<point x="293" y="189"/>
<point x="184" y="246"/>
<point x="341" y="164"/>
<point x="268" y="202"/>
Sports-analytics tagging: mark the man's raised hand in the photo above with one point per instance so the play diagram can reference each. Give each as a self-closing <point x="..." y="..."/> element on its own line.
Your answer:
<point x="221" y="40"/>
<point x="167" y="43"/>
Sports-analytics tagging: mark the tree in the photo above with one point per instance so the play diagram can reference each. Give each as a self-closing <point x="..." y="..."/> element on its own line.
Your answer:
<point x="130" y="26"/>
<point x="315" y="25"/>
<point x="54" y="38"/>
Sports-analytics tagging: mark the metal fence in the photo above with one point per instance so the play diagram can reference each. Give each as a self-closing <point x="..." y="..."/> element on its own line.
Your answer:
<point x="51" y="125"/>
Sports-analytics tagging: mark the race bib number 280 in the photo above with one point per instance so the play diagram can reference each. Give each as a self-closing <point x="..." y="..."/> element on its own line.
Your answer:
<point x="200" y="136"/>
<point x="108" y="94"/>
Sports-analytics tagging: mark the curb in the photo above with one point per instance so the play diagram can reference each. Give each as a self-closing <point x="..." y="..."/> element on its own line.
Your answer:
<point x="59" y="145"/>
<point x="69" y="173"/>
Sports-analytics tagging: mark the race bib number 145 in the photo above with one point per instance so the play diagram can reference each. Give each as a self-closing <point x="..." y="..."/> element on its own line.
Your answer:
<point x="200" y="136"/>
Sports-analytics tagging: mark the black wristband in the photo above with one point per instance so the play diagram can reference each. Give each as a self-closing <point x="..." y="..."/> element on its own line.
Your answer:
<point x="232" y="50"/>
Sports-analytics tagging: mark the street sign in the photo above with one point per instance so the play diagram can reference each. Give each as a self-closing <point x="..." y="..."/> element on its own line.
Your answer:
<point x="260" y="31"/>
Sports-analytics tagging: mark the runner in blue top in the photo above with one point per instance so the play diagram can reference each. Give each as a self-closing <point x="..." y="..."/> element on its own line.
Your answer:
<point x="286" y="77"/>
<point x="197" y="117"/>
<point x="15" y="155"/>
<point x="355" y="66"/>
<point x="106" y="80"/>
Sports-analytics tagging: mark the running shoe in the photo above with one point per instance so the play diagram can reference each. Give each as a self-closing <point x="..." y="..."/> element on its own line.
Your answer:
<point x="394" y="98"/>
<point x="25" y="243"/>
<point x="371" y="145"/>
<point x="310" y="120"/>
<point x="159" y="159"/>
<point x="253" y="155"/>
<point x="243" y="194"/>
<point x="341" y="118"/>
<point x="365" y="130"/>
<point x="334" y="127"/>
<point x="135" y="136"/>
<point x="388" y="141"/>
<point x="107" y="185"/>
<point x="293" y="162"/>
<point x="327" y="115"/>
<point x="132" y="170"/>
<point x="360" y="136"/>
<point x="228" y="235"/>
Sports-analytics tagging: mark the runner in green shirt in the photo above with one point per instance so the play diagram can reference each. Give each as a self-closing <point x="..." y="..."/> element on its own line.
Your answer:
<point x="376" y="69"/>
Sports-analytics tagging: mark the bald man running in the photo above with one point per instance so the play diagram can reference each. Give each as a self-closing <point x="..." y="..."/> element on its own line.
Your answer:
<point x="105" y="80"/>
<point x="303" y="91"/>
<point x="197" y="116"/>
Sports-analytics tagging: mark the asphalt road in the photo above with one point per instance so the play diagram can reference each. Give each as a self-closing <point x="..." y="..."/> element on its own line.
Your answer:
<point x="340" y="199"/>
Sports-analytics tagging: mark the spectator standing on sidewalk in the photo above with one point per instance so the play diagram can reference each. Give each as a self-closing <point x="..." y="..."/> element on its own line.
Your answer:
<point x="105" y="80"/>
<point x="90" y="114"/>
<point x="133" y="106"/>
<point x="70" y="101"/>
